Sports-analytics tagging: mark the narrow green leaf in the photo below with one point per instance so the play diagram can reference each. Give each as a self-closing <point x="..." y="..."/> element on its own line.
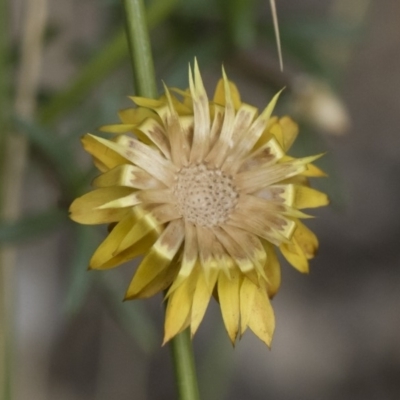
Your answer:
<point x="5" y="80"/>
<point x="31" y="226"/>
<point x="56" y="150"/>
<point x="80" y="280"/>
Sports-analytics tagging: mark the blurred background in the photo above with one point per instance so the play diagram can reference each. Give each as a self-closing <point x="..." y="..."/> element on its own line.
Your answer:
<point x="65" y="333"/>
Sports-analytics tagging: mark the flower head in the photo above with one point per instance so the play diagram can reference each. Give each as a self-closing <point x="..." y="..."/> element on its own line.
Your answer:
<point x="206" y="192"/>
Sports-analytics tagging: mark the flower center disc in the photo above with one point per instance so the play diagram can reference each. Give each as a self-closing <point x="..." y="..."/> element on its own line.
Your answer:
<point x="204" y="196"/>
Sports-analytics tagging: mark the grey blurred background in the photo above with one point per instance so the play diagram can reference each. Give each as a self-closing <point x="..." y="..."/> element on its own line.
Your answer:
<point x="338" y="329"/>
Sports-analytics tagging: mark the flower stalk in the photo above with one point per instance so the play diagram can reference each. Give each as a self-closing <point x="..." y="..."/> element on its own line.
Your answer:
<point x="140" y="48"/>
<point x="144" y="78"/>
<point x="184" y="366"/>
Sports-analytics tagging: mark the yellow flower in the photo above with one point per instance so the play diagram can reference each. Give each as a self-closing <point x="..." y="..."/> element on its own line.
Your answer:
<point x="205" y="191"/>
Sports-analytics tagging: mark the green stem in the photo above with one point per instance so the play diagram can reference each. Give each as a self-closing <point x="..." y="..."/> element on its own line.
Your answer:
<point x="5" y="320"/>
<point x="185" y="371"/>
<point x="4" y="79"/>
<point x="140" y="48"/>
<point x="143" y="67"/>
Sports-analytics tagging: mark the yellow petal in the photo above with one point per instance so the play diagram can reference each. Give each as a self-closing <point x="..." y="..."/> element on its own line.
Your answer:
<point x="157" y="196"/>
<point x="243" y="121"/>
<point x="145" y="224"/>
<point x="85" y="209"/>
<point x="250" y="244"/>
<point x="148" y="103"/>
<point x="99" y="165"/>
<point x="223" y="262"/>
<point x="205" y="239"/>
<point x="273" y="131"/>
<point x="247" y="293"/>
<point x="295" y="255"/>
<point x="177" y="316"/>
<point x="190" y="256"/>
<point x="272" y="270"/>
<point x="228" y="295"/>
<point x="158" y="258"/>
<point x="290" y="130"/>
<point x="250" y="136"/>
<point x="266" y="136"/>
<point x="259" y="313"/>
<point x="306" y="239"/>
<point x="259" y="178"/>
<point x="282" y="194"/>
<point x="219" y="151"/>
<point x="102" y="153"/>
<point x="238" y="255"/>
<point x="135" y="116"/>
<point x="220" y="95"/>
<point x="277" y="132"/>
<point x="104" y="256"/>
<point x="252" y="223"/>
<point x="179" y="144"/>
<point x="268" y="214"/>
<point x="267" y="154"/>
<point x="216" y="126"/>
<point x="117" y="128"/>
<point x="170" y="101"/>
<point x="152" y="132"/>
<point x="145" y="157"/>
<point x="159" y="283"/>
<point x="150" y="196"/>
<point x="201" y="111"/>
<point x="314" y="171"/>
<point x="284" y="130"/>
<point x="129" y="176"/>
<point x="132" y="199"/>
<point x="140" y="154"/>
<point x="203" y="291"/>
<point x="106" y="249"/>
<point x="138" y="249"/>
<point x="306" y="197"/>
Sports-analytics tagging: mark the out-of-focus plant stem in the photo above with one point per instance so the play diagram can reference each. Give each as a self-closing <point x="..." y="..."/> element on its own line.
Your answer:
<point x="4" y="72"/>
<point x="4" y="107"/>
<point x="13" y="166"/>
<point x="143" y="68"/>
<point x="101" y="65"/>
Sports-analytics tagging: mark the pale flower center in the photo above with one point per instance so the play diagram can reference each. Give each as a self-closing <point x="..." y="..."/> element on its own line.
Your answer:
<point x="204" y="196"/>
